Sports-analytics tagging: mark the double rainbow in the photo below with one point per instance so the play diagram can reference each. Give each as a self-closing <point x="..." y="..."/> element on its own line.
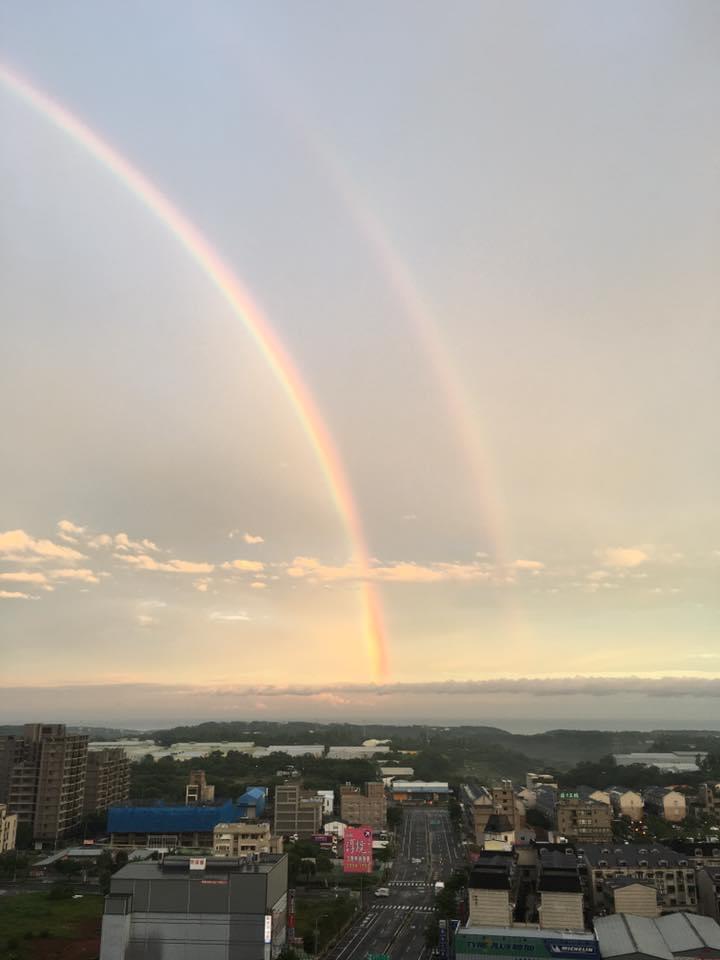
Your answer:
<point x="247" y="311"/>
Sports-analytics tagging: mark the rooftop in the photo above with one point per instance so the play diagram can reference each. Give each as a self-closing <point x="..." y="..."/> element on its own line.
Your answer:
<point x="630" y="855"/>
<point x="676" y="934"/>
<point x="179" y="867"/>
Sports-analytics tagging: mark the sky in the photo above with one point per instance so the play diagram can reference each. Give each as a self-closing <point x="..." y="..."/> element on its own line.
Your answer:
<point x="359" y="344"/>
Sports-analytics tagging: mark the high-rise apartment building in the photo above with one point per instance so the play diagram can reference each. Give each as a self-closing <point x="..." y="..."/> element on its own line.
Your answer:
<point x="8" y="829"/>
<point x="42" y="778"/>
<point x="297" y="811"/>
<point x="368" y="807"/>
<point x="107" y="780"/>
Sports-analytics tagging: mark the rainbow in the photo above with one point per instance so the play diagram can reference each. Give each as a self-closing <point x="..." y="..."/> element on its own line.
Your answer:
<point x="247" y="311"/>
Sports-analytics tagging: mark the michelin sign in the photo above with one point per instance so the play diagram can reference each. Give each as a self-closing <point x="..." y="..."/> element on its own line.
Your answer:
<point x="475" y="944"/>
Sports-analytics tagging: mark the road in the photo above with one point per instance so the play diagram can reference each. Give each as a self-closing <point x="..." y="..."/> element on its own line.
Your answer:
<point x="395" y="925"/>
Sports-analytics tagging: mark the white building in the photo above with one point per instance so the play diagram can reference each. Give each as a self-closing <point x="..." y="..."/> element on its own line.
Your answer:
<point x="328" y="799"/>
<point x="356" y="753"/>
<point x="681" y="761"/>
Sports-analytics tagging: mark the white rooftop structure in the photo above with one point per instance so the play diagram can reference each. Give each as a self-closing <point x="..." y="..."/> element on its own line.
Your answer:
<point x="356" y="753"/>
<point x="137" y="749"/>
<point x="681" y="761"/>
<point x="293" y="749"/>
<point x="622" y="935"/>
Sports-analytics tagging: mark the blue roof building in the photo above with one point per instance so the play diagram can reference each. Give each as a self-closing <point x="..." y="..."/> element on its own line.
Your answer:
<point x="181" y="825"/>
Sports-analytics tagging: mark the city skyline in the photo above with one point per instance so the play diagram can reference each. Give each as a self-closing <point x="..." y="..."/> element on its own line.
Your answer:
<point x="325" y="377"/>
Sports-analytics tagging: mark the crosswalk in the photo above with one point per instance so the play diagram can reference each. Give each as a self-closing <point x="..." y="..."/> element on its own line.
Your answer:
<point x="402" y="907"/>
<point x="409" y="883"/>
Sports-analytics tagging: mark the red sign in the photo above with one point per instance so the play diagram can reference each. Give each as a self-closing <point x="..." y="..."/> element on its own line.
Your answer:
<point x="357" y="850"/>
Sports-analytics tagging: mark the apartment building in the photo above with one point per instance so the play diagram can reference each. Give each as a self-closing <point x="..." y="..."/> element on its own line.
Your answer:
<point x="560" y="894"/>
<point x="583" y="821"/>
<point x="672" y="874"/>
<point x="8" y="829"/>
<point x="709" y="799"/>
<point x="42" y="778"/>
<point x="197" y="907"/>
<point x="107" y="779"/>
<point x="297" y="811"/>
<point x="491" y="892"/>
<point x="708" y="889"/>
<point x="244" y="840"/>
<point x="666" y="803"/>
<point x="368" y="806"/>
<point x="627" y="803"/>
<point x="197" y="789"/>
<point x="505" y="801"/>
<point x="638" y="898"/>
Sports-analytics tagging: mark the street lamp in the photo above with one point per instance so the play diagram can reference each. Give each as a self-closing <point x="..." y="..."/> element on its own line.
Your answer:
<point x="323" y="916"/>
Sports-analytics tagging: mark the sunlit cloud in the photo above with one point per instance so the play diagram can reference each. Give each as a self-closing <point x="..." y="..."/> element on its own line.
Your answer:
<point x="145" y="620"/>
<point x="245" y="566"/>
<point x="238" y="616"/>
<point x="15" y="595"/>
<point x="19" y="544"/>
<point x="86" y="576"/>
<point x="623" y="556"/>
<point x="144" y="562"/>
<point x="253" y="538"/>
<point x="69" y="531"/>
<point x="24" y="576"/>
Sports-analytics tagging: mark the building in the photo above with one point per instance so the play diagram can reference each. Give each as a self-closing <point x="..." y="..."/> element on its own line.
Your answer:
<point x="492" y="886"/>
<point x="107" y="779"/>
<point x="482" y="810"/>
<point x="672" y="875"/>
<point x="505" y="801"/>
<point x="475" y="942"/>
<point x="197" y="907"/>
<point x="638" y="898"/>
<point x="389" y="774"/>
<point x="499" y="833"/>
<point x="681" y="761"/>
<point x="367" y="807"/>
<point x="8" y="829"/>
<point x="666" y="803"/>
<point x="365" y="752"/>
<point x="627" y="803"/>
<point x="626" y="937"/>
<point x="297" y="811"/>
<point x="328" y="799"/>
<point x="560" y="893"/>
<point x="244" y="839"/>
<point x="708" y="891"/>
<point x="583" y="821"/>
<point x="167" y="826"/>
<point x="42" y="778"/>
<point x="198" y="790"/>
<point x="709" y="799"/>
<point x="420" y="791"/>
<point x="535" y="780"/>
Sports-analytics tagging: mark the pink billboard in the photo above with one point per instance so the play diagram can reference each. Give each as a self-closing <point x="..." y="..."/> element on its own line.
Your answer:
<point x="357" y="850"/>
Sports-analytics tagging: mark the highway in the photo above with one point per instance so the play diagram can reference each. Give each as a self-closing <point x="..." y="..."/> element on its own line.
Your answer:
<point x="395" y="925"/>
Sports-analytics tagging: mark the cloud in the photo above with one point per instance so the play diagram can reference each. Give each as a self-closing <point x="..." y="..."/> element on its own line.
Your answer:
<point x="86" y="576"/>
<point x="401" y="572"/>
<point x="202" y="584"/>
<point x="123" y="542"/>
<point x="15" y="595"/>
<point x="253" y="538"/>
<point x="69" y="531"/>
<point x="144" y="562"/>
<point x="623" y="556"/>
<point x="528" y="565"/>
<point x="24" y="576"/>
<point x="258" y="585"/>
<point x="145" y="620"/>
<point x="597" y="575"/>
<point x="18" y="544"/>
<point x="241" y="615"/>
<point x="101" y="540"/>
<point x="247" y="566"/>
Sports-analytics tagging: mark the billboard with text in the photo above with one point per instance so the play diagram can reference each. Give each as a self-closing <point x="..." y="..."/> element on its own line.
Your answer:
<point x="357" y="850"/>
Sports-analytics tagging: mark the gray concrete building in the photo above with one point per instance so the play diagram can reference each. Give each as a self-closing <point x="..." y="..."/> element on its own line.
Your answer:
<point x="207" y="909"/>
<point x="107" y="779"/>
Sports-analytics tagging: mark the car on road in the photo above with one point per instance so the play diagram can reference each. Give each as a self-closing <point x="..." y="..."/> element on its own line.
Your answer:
<point x="382" y="892"/>
<point x="416" y="860"/>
